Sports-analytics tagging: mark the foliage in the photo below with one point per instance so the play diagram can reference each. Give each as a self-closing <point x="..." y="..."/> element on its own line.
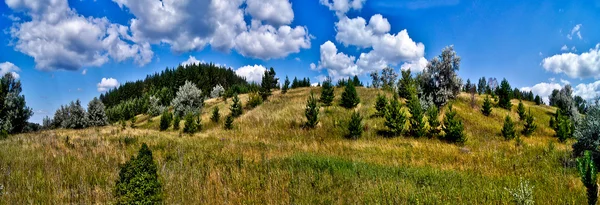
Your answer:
<point x="349" y="97"/>
<point x="406" y="85"/>
<point x="229" y="122"/>
<point x="521" y="110"/>
<point x="467" y="86"/>
<point x="47" y="123"/>
<point x="375" y="80"/>
<point x="3" y="134"/>
<point x="562" y="125"/>
<point x="96" y="113"/>
<point x="254" y="100"/>
<point x="192" y="124"/>
<point x="587" y="133"/>
<point x="508" y="129"/>
<point x="154" y="107"/>
<point x="236" y="107"/>
<point x="538" y="100"/>
<point x="432" y="120"/>
<point x="217" y="91"/>
<point x="440" y="79"/>
<point x="14" y="112"/>
<point x="355" y="126"/>
<point x="388" y="78"/>
<point x="215" y="117"/>
<point x="581" y="104"/>
<point x="138" y="180"/>
<point x="530" y="125"/>
<point x="188" y="100"/>
<point x="127" y="109"/>
<point x="417" y="122"/>
<point x="176" y="122"/>
<point x="305" y="82"/>
<point x="269" y="81"/>
<point x="327" y="92"/>
<point x="381" y="105"/>
<point x="522" y="195"/>
<point x="356" y="81"/>
<point x="286" y="85"/>
<point x="133" y="119"/>
<point x="486" y="109"/>
<point x="311" y="111"/>
<point x="395" y="119"/>
<point x="563" y="100"/>
<point x="165" y="120"/>
<point x="504" y="95"/>
<point x="481" y="86"/>
<point x="588" y="172"/>
<point x="76" y="117"/>
<point x="453" y="127"/>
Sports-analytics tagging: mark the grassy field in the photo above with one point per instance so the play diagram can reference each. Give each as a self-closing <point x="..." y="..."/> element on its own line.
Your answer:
<point x="268" y="158"/>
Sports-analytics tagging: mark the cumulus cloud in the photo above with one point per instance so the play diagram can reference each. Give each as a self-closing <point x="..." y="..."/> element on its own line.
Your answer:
<point x="276" y="12"/>
<point x="543" y="89"/>
<point x="266" y="41"/>
<point x="588" y="91"/>
<point x="191" y="60"/>
<point x="57" y="37"/>
<point x="8" y="67"/>
<point x="564" y="48"/>
<point x="576" y="31"/>
<point x="106" y="84"/>
<point x="338" y="64"/>
<point x="251" y="73"/>
<point x="84" y="72"/>
<point x="582" y="65"/>
<point x="313" y="66"/>
<point x="341" y="7"/>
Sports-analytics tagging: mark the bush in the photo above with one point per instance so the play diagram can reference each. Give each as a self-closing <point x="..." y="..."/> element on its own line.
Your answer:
<point x="355" y="126"/>
<point x="217" y="91"/>
<point x="327" y="93"/>
<point x="3" y="134"/>
<point x="133" y="120"/>
<point x="521" y="110"/>
<point x="508" y="130"/>
<point x="312" y="111"/>
<point x="138" y="180"/>
<point x="165" y="120"/>
<point x="154" y="107"/>
<point x="176" y="122"/>
<point x="215" y="117"/>
<point x="395" y="118"/>
<point x="486" y="109"/>
<point x="229" y="122"/>
<point x="522" y="195"/>
<point x="349" y="97"/>
<point x="189" y="99"/>
<point x="254" y="100"/>
<point x="192" y="124"/>
<point x="588" y="172"/>
<point x="236" y="107"/>
<point x="381" y="105"/>
<point x="453" y="127"/>
<point x="530" y="125"/>
<point x="434" y="123"/>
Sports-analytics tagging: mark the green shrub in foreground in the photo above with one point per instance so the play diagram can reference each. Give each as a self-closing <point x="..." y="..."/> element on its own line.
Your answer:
<point x="138" y="180"/>
<point x="453" y="127"/>
<point x="588" y="172"/>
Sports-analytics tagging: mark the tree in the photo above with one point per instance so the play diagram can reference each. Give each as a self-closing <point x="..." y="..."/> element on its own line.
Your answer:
<point x="434" y="123"/>
<point x="192" y="124"/>
<point x="388" y="78"/>
<point x="508" y="129"/>
<point x="77" y="117"/>
<point x="467" y="85"/>
<point x="504" y="95"/>
<point x="587" y="133"/>
<point x="229" y="122"/>
<point x="217" y="91"/>
<point x="327" y="92"/>
<point x="356" y="81"/>
<point x="269" y="81"/>
<point x="580" y="104"/>
<point x="486" y="109"/>
<point x="349" y="97"/>
<point x="47" y="123"/>
<point x="376" y="81"/>
<point x="176" y="122"/>
<point x="406" y="84"/>
<point x="138" y="180"/>
<point x="381" y="105"/>
<point x="417" y="123"/>
<point x="521" y="110"/>
<point x="563" y="100"/>
<point x="154" y="107"/>
<point x="14" y="112"/>
<point x="439" y="79"/>
<point x="311" y="111"/>
<point x="453" y="127"/>
<point x="188" y="100"/>
<point x="588" y="172"/>
<point x="215" y="117"/>
<point x="395" y="118"/>
<point x="530" y="125"/>
<point x="96" y="114"/>
<point x="481" y="86"/>
<point x="165" y="120"/>
<point x="538" y="100"/>
<point x="286" y="85"/>
<point x="562" y="125"/>
<point x="254" y="100"/>
<point x="355" y="126"/>
<point x="236" y="107"/>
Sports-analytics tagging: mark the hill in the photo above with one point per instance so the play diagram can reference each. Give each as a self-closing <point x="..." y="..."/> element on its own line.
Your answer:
<point x="268" y="158"/>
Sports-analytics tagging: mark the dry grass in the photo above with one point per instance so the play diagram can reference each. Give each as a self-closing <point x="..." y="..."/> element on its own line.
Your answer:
<point x="269" y="158"/>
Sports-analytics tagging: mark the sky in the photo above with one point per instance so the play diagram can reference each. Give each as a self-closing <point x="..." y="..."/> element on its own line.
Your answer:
<point x="66" y="50"/>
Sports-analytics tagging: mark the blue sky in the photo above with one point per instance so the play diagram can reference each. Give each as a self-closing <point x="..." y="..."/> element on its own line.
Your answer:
<point x="62" y="50"/>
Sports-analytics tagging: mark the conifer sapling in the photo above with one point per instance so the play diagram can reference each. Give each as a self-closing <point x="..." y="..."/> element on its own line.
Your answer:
<point x="312" y="111"/>
<point x="355" y="126"/>
<point x="508" y="129"/>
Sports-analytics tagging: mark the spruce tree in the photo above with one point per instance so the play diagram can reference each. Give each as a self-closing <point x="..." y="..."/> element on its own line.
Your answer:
<point x="356" y="81"/>
<point x="508" y="130"/>
<point x="381" y="105"/>
<point x="286" y="85"/>
<point x="395" y="118"/>
<point x="453" y="127"/>
<point x="538" y="100"/>
<point x="349" y="96"/>
<point x="417" y="123"/>
<point x="521" y="110"/>
<point x="215" y="117"/>
<point x="229" y="122"/>
<point x="434" y="123"/>
<point x="191" y="125"/>
<point x="562" y="125"/>
<point x="530" y="125"/>
<point x="355" y="126"/>
<point x="236" y="107"/>
<point x="176" y="121"/>
<point x="138" y="181"/>
<point x="486" y="109"/>
<point x="165" y="120"/>
<point x="327" y="92"/>
<point x="312" y="111"/>
<point x="406" y="84"/>
<point x="504" y="95"/>
<point x="588" y="173"/>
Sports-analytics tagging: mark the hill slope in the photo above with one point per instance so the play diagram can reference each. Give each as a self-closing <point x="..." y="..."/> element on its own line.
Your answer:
<point x="269" y="158"/>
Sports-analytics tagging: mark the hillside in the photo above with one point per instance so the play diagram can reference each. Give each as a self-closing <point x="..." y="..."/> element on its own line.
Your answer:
<point x="268" y="158"/>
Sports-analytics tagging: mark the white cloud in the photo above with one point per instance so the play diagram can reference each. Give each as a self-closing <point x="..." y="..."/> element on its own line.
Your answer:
<point x="415" y="66"/>
<point x="575" y="31"/>
<point x="564" y="48"/>
<point x="313" y="66"/>
<point x="588" y="91"/>
<point x="297" y="59"/>
<point x="543" y="89"/>
<point x="341" y="7"/>
<point x="251" y="73"/>
<point x="107" y="83"/>
<point x="8" y="67"/>
<point x="57" y="37"/>
<point x="84" y="72"/>
<point x="266" y="41"/>
<point x="582" y="65"/>
<point x="275" y="12"/>
<point x="191" y="60"/>
<point x="338" y="64"/>
<point x="564" y="82"/>
<point x="573" y="49"/>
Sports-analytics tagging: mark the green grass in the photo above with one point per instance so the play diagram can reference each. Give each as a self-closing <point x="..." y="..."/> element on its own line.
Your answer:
<point x="268" y="158"/>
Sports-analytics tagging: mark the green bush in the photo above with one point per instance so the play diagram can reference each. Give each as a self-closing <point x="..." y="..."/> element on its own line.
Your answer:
<point x="311" y="111"/>
<point x="165" y="120"/>
<point x="349" y="97"/>
<point x="588" y="172"/>
<point x="521" y="110"/>
<point x="192" y="124"/>
<point x="562" y="125"/>
<point x="486" y="109"/>
<point x="3" y="134"/>
<point x="215" y="117"/>
<point x="395" y="118"/>
<point x="138" y="180"/>
<point x="381" y="105"/>
<point x="355" y="126"/>
<point x="522" y="195"/>
<point x="229" y="122"/>
<point x="508" y="130"/>
<point x="453" y="127"/>
<point x="254" y="100"/>
<point x="434" y="123"/>
<point x="176" y="122"/>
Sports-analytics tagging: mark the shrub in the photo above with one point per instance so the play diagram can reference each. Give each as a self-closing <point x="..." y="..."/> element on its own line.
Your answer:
<point x="327" y="92"/>
<point x="530" y="125"/>
<point x="508" y="130"/>
<point x="349" y="97"/>
<point x="312" y="111"/>
<point x="176" y="122"/>
<point x="165" y="120"/>
<point x="254" y="100"/>
<point x="355" y="126"/>
<point x="522" y="195"/>
<point x="236" y="107"/>
<point x="154" y="107"/>
<point x="133" y="120"/>
<point x="453" y="127"/>
<point x="562" y="125"/>
<point x="229" y="122"/>
<point x="138" y="180"/>
<point x="217" y="91"/>
<point x="189" y="99"/>
<point x="192" y="124"/>
<point x="395" y="118"/>
<point x="215" y="117"/>
<point x="521" y="110"/>
<point x="588" y="172"/>
<point x="3" y="134"/>
<point x="486" y="109"/>
<point x="381" y="105"/>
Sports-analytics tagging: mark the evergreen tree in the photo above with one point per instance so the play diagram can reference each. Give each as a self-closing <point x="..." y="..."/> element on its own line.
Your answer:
<point x="508" y="130"/>
<point x="96" y="113"/>
<point x="269" y="81"/>
<point x="327" y="92"/>
<point x="562" y="125"/>
<point x="588" y="172"/>
<point x="215" y="117"/>
<point x="381" y="105"/>
<point x="406" y="84"/>
<point x="453" y="127"/>
<point x="504" y="95"/>
<point x="14" y="112"/>
<point x="176" y="122"/>
<point x="165" y="120"/>
<point x="138" y="180"/>
<point x="192" y="124"/>
<point x="229" y="122"/>
<point x="467" y="85"/>
<point x="434" y="123"/>
<point x="395" y="118"/>
<point x="417" y="123"/>
<point x="77" y="117"/>
<point x="486" y="109"/>
<point x="530" y="125"/>
<point x="349" y="97"/>
<point x="355" y="126"/>
<point x="521" y="110"/>
<point x="236" y="107"/>
<point x="312" y="111"/>
<point x="356" y="81"/>
<point x="286" y="85"/>
<point x="538" y="100"/>
<point x="481" y="86"/>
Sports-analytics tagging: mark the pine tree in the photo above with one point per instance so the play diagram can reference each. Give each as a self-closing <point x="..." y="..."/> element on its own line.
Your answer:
<point x="191" y="125"/>
<point x="453" y="127"/>
<point x="434" y="123"/>
<point x="269" y="81"/>
<point x="417" y="122"/>
<point x="138" y="181"/>
<point x="395" y="118"/>
<point x="486" y="109"/>
<point x="355" y="126"/>
<point x="562" y="125"/>
<point x="508" y="130"/>
<point x="215" y="117"/>
<point x="588" y="173"/>
<point x="356" y="81"/>
<point x="349" y="97"/>
<point x="538" y="100"/>
<point x="229" y="122"/>
<point x="481" y="86"/>
<point x="165" y="120"/>
<point x="381" y="105"/>
<point x="530" y="125"/>
<point x="521" y="110"/>
<point x="236" y="107"/>
<point x="286" y="85"/>
<point x="504" y="95"/>
<point x="406" y="84"/>
<point x="312" y="111"/>
<point x="327" y="93"/>
<point x="96" y="113"/>
<point x="176" y="122"/>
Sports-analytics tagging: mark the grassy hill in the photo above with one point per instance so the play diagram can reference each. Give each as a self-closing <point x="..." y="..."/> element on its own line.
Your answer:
<point x="269" y="158"/>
